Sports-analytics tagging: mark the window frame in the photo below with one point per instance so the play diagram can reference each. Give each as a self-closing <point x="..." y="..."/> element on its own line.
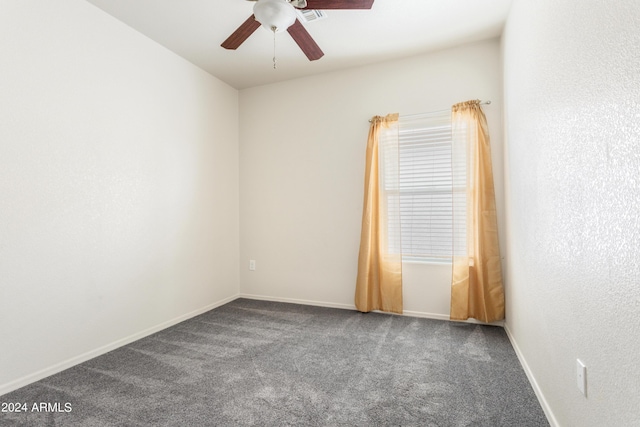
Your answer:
<point x="425" y="126"/>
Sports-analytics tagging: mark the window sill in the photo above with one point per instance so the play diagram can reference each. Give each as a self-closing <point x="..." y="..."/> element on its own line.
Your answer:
<point x="427" y="261"/>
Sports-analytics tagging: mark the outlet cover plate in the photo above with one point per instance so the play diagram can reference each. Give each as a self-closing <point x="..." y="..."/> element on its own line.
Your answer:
<point x="581" y="374"/>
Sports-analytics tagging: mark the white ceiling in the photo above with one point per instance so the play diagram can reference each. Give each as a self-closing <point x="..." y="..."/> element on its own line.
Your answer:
<point x="392" y="29"/>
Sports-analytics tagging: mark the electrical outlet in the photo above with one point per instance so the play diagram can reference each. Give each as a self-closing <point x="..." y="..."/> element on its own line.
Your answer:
<point x="252" y="264"/>
<point x="582" y="376"/>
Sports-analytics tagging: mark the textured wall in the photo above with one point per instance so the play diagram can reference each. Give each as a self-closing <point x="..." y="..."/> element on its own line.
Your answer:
<point x="302" y="152"/>
<point x="118" y="185"/>
<point x="572" y="96"/>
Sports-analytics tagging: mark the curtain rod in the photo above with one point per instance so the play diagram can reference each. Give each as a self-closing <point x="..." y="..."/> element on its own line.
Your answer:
<point x="434" y="112"/>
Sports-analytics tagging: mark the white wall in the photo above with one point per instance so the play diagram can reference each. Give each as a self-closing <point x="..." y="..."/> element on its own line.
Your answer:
<point x="302" y="152"/>
<point x="572" y="86"/>
<point x="118" y="187"/>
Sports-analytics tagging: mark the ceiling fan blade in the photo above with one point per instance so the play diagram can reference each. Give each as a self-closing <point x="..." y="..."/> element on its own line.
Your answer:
<point x="241" y="34"/>
<point x="339" y="4"/>
<point x="302" y="37"/>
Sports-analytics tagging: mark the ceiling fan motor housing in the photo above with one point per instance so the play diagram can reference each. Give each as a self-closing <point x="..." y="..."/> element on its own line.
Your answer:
<point x="274" y="15"/>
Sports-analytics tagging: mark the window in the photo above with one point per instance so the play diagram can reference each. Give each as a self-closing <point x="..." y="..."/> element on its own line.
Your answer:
<point x="424" y="189"/>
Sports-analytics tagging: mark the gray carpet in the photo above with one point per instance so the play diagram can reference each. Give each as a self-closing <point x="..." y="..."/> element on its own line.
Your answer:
<point x="274" y="364"/>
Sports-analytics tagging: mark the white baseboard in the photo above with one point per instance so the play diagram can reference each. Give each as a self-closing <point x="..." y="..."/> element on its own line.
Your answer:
<point x="58" y="367"/>
<point x="341" y="306"/>
<point x="425" y="315"/>
<point x="298" y="301"/>
<point x="536" y="388"/>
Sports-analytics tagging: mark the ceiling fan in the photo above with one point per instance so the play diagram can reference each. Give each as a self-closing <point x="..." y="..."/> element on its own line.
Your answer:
<point x="280" y="15"/>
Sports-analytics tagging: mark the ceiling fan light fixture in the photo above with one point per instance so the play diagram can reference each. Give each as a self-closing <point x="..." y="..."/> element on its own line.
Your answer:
<point x="274" y="15"/>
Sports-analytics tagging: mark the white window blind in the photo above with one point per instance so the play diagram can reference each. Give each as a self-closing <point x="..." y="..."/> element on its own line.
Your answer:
<point x="425" y="187"/>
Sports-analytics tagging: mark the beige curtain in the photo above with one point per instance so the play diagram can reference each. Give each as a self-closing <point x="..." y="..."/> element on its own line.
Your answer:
<point x="476" y="289"/>
<point x="379" y="281"/>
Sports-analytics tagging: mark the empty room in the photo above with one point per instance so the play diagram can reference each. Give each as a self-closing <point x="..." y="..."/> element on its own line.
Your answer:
<point x="320" y="212"/>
